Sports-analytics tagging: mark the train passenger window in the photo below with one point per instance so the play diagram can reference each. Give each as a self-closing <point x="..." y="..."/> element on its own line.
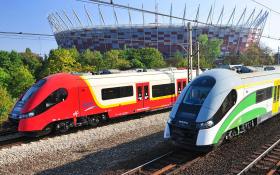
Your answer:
<point x="184" y="84"/>
<point x="169" y="89"/>
<point x="126" y="91"/>
<point x="158" y="90"/>
<point x="163" y="89"/>
<point x="110" y="93"/>
<point x="117" y="92"/>
<point x="227" y="104"/>
<point x="260" y="96"/>
<point x="268" y="92"/>
<point x="52" y="100"/>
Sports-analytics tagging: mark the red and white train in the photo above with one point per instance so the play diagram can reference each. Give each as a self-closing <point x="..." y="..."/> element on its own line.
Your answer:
<point x="65" y="100"/>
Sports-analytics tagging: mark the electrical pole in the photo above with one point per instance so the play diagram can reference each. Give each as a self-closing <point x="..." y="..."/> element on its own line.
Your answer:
<point x="278" y="55"/>
<point x="197" y="50"/>
<point x="189" y="52"/>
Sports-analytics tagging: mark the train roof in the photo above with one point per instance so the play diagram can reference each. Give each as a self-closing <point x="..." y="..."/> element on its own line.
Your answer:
<point x="253" y="78"/>
<point x="109" y="79"/>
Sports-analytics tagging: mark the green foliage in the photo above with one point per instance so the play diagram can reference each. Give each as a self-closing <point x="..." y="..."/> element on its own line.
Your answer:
<point x="21" y="78"/>
<point x="209" y="50"/>
<point x="151" y="58"/>
<point x="32" y="61"/>
<point x="60" y="60"/>
<point x="4" y="78"/>
<point x="6" y="104"/>
<point x="5" y="61"/>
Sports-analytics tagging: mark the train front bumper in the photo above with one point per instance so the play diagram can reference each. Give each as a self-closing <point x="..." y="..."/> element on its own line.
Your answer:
<point x="186" y="138"/>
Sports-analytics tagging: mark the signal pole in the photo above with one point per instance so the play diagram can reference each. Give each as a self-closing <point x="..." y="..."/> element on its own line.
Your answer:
<point x="197" y="50"/>
<point x="278" y="55"/>
<point x="189" y="52"/>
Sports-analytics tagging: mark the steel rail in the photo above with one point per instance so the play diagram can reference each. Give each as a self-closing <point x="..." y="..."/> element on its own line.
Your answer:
<point x="258" y="158"/>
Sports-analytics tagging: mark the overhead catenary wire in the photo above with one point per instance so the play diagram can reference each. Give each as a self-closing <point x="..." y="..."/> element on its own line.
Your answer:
<point x="266" y="7"/>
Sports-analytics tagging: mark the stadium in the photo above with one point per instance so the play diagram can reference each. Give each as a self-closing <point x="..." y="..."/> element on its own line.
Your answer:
<point x="236" y="33"/>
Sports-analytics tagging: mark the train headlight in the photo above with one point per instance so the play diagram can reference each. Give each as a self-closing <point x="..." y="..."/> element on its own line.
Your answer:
<point x="27" y="115"/>
<point x="205" y="125"/>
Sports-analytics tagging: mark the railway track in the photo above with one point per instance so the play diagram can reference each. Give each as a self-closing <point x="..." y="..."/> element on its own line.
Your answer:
<point x="5" y="132"/>
<point x="14" y="141"/>
<point x="170" y="163"/>
<point x="264" y="161"/>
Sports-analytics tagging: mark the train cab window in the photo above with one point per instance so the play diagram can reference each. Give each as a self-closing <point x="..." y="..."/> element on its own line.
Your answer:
<point x="227" y="104"/>
<point x="184" y="84"/>
<point x="117" y="92"/>
<point x="54" y="98"/>
<point x="33" y="89"/>
<point x="199" y="90"/>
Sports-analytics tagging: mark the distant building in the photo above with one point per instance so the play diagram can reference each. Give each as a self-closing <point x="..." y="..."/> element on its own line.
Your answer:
<point x="106" y="37"/>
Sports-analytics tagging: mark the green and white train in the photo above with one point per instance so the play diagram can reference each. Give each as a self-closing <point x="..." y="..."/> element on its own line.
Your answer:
<point x="221" y="104"/>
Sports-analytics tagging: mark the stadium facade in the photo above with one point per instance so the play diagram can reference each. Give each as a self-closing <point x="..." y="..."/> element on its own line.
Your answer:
<point x="236" y="34"/>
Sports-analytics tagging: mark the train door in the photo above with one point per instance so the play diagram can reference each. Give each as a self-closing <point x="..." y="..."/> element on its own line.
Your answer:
<point x="143" y="96"/>
<point x="276" y="97"/>
<point x="181" y="84"/>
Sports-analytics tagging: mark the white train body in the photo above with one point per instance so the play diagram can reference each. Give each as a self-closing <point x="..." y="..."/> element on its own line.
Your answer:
<point x="220" y="104"/>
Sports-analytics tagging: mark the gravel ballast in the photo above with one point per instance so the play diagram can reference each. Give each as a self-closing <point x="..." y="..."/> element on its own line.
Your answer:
<point x="93" y="151"/>
<point x="230" y="157"/>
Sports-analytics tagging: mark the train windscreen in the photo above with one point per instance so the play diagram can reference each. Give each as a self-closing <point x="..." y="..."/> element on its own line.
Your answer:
<point x="32" y="90"/>
<point x="199" y="90"/>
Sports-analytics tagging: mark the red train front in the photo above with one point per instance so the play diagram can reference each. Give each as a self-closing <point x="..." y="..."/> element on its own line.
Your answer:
<point x="54" y="98"/>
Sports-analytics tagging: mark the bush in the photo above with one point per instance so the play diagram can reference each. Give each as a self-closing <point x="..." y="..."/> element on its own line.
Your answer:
<point x="6" y="104"/>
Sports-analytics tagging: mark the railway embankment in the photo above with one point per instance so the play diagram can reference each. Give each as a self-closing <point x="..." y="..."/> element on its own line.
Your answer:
<point x="98" y="150"/>
<point x="231" y="157"/>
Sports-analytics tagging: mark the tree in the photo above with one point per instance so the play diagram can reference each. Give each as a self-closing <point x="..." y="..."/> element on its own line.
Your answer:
<point x="60" y="60"/>
<point x="32" y="61"/>
<point x="6" y="104"/>
<point x="211" y="50"/>
<point x="151" y="58"/>
<point x="4" y="78"/>
<point x="75" y="53"/>
<point x="231" y="58"/>
<point x="5" y="60"/>
<point x="112" y="60"/>
<point x="21" y="78"/>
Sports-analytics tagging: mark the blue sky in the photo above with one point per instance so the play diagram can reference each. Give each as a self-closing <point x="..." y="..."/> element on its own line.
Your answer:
<point x="29" y="16"/>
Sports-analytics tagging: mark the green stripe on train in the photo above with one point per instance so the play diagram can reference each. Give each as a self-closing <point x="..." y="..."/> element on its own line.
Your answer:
<point x="249" y="101"/>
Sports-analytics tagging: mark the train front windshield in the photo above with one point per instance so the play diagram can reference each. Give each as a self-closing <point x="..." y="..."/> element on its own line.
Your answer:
<point x="32" y="90"/>
<point x="199" y="90"/>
